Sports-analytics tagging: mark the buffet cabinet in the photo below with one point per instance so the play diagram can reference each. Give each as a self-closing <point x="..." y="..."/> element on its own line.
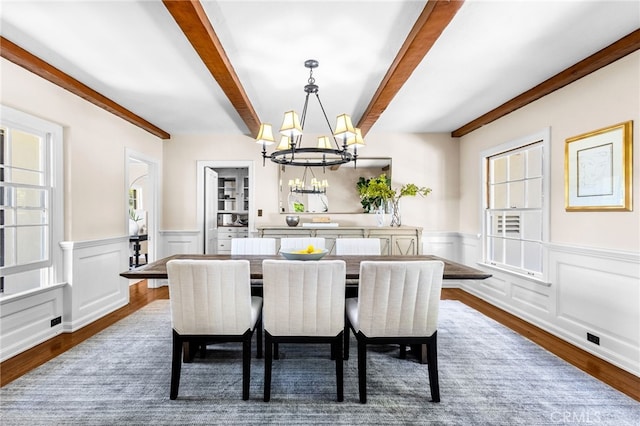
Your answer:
<point x="228" y="233"/>
<point x="403" y="240"/>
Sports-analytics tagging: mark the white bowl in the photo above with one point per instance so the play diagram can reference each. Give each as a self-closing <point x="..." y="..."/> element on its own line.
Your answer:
<point x="304" y="256"/>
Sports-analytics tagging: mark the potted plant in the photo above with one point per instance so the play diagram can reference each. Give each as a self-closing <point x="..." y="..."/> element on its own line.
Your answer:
<point x="380" y="187"/>
<point x="133" y="222"/>
<point x="374" y="192"/>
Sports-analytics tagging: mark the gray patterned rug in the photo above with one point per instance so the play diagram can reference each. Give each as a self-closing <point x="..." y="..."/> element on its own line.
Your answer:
<point x="489" y="375"/>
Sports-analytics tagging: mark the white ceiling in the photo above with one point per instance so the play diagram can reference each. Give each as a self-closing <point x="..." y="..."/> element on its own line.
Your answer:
<point x="134" y="53"/>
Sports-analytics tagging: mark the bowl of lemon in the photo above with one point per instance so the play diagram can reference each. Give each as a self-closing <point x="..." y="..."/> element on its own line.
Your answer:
<point x="309" y="253"/>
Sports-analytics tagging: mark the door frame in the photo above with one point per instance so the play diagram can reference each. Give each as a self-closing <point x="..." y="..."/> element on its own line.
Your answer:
<point x="152" y="198"/>
<point x="200" y="187"/>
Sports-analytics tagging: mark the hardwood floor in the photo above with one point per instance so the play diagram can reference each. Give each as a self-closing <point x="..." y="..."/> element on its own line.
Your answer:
<point x="140" y="296"/>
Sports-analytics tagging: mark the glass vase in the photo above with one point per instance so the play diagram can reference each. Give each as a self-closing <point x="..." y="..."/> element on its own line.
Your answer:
<point x="395" y="213"/>
<point x="380" y="215"/>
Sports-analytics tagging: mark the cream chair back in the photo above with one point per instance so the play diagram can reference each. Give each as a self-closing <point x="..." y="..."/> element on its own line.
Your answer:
<point x="362" y="246"/>
<point x="303" y="298"/>
<point x="398" y="298"/>
<point x="290" y="244"/>
<point x="211" y="297"/>
<point x="253" y="246"/>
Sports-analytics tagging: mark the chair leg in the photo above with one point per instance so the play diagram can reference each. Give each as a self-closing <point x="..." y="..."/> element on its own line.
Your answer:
<point x="246" y="365"/>
<point x="259" y="337"/>
<point x="403" y="351"/>
<point x="362" y="370"/>
<point x="346" y="338"/>
<point x="339" y="367"/>
<point x="176" y="365"/>
<point x="268" y="354"/>
<point x="432" y="360"/>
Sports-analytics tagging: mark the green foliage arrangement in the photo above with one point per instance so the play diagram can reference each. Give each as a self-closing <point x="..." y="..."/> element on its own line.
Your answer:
<point x="373" y="191"/>
<point x="377" y="190"/>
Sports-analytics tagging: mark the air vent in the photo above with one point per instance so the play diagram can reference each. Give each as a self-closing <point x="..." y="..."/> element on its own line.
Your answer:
<point x="510" y="225"/>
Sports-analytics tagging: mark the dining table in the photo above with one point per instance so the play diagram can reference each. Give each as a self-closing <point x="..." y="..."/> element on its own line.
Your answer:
<point x="452" y="270"/>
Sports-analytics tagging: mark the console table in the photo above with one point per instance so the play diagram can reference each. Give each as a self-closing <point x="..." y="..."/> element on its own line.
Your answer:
<point x="134" y="261"/>
<point x="394" y="241"/>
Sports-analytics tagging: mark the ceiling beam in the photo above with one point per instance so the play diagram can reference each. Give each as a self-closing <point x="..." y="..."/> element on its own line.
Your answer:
<point x="434" y="18"/>
<point x="626" y="45"/>
<point x="14" y="53"/>
<point x="192" y="19"/>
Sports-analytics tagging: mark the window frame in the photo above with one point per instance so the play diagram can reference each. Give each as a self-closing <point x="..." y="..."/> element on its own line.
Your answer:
<point x="543" y="137"/>
<point x="51" y="271"/>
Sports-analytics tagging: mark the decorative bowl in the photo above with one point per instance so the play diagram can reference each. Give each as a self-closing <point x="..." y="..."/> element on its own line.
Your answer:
<point x="293" y="220"/>
<point x="304" y="256"/>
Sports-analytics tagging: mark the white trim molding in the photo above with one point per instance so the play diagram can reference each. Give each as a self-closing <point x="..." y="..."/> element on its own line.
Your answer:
<point x="589" y="290"/>
<point x="26" y="319"/>
<point x="92" y="270"/>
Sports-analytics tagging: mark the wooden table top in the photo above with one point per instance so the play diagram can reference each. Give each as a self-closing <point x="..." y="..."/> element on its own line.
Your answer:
<point x="452" y="270"/>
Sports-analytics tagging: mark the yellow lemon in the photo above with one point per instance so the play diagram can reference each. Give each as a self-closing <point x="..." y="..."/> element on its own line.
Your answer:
<point x="310" y="248"/>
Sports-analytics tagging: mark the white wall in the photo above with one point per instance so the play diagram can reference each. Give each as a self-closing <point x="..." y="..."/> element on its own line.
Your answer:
<point x="95" y="211"/>
<point x="604" y="98"/>
<point x="593" y="257"/>
<point x="94" y="141"/>
<point x="424" y="159"/>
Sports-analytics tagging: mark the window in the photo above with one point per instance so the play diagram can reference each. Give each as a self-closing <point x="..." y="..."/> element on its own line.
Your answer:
<point x="516" y="192"/>
<point x="30" y="202"/>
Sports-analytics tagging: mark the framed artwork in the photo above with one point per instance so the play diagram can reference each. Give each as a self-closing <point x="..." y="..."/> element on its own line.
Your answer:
<point x="598" y="170"/>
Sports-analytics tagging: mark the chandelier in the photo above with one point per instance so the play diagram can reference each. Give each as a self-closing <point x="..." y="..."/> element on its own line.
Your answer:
<point x="290" y="152"/>
<point x="316" y="186"/>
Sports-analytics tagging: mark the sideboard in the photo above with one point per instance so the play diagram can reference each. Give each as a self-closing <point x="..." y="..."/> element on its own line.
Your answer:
<point x="396" y="241"/>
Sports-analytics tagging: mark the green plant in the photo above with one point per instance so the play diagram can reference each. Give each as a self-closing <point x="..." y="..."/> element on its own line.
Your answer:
<point x="411" y="190"/>
<point x="374" y="191"/>
<point x="133" y="215"/>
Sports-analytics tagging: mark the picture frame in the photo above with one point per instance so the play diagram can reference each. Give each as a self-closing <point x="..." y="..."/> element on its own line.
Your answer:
<point x="598" y="169"/>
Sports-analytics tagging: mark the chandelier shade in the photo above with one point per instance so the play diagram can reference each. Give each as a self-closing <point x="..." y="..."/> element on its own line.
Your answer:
<point x="291" y="124"/>
<point x="285" y="143"/>
<point x="265" y="135"/>
<point x="344" y="128"/>
<point x="356" y="140"/>
<point x="330" y="150"/>
<point x="324" y="142"/>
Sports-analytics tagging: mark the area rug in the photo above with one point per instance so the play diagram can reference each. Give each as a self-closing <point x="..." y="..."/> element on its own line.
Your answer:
<point x="489" y="375"/>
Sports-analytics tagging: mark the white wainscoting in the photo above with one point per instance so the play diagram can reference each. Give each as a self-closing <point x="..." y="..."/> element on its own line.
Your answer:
<point x="92" y="271"/>
<point x="25" y="319"/>
<point x="180" y="242"/>
<point x="91" y="289"/>
<point x="589" y="291"/>
<point x="177" y="242"/>
<point x="446" y="245"/>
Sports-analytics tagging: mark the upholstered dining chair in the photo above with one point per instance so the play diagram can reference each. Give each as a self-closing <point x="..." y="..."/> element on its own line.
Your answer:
<point x="253" y="246"/>
<point x="363" y="246"/>
<point x="290" y="244"/>
<point x="398" y="302"/>
<point x="211" y="301"/>
<point x="303" y="303"/>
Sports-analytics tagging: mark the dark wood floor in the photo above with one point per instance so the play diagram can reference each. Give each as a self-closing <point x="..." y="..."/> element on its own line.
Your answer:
<point x="140" y="296"/>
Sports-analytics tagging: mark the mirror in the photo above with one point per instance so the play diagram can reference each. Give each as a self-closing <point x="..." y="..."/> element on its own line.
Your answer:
<point x="340" y="195"/>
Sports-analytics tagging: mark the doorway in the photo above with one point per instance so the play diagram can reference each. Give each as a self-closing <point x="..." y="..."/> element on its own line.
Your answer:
<point x="225" y="200"/>
<point x="142" y="214"/>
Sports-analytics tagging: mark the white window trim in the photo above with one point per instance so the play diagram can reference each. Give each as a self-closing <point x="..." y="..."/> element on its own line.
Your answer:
<point x="17" y="119"/>
<point x="544" y="136"/>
